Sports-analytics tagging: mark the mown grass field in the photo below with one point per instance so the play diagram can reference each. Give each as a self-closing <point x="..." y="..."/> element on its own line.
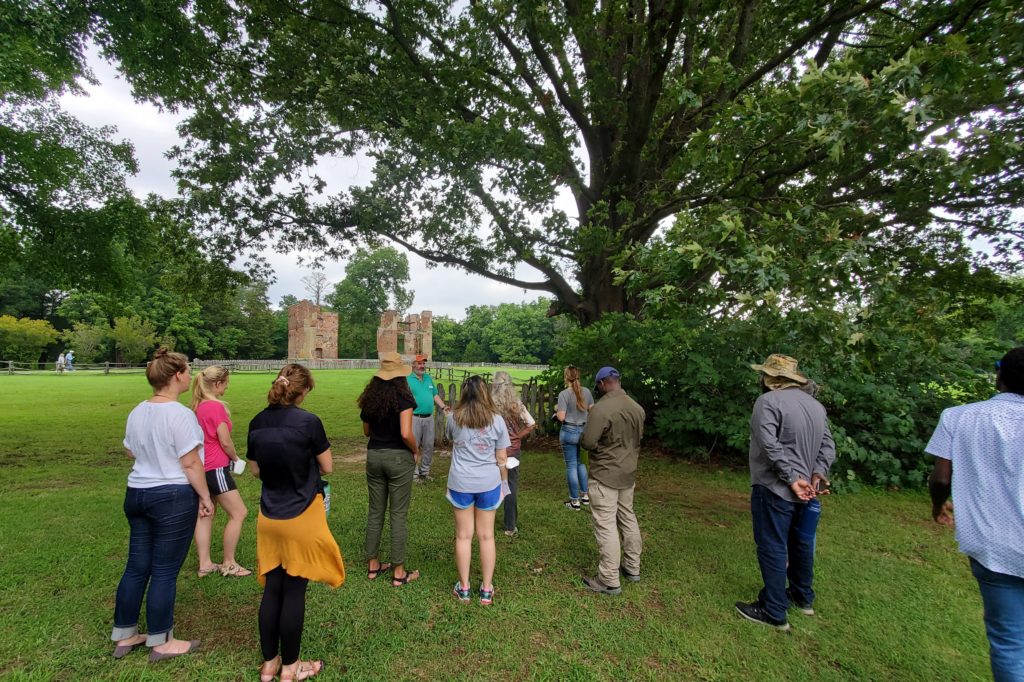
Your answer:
<point x="895" y="599"/>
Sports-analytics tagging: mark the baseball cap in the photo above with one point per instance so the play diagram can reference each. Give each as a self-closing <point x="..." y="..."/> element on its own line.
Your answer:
<point x="606" y="372"/>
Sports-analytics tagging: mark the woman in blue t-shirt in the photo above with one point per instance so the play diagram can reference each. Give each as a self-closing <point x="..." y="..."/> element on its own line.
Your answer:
<point x="385" y="407"/>
<point x="476" y="482"/>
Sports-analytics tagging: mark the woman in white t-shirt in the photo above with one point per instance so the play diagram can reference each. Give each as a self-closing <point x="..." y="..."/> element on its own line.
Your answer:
<point x="166" y="488"/>
<point x="476" y="482"/>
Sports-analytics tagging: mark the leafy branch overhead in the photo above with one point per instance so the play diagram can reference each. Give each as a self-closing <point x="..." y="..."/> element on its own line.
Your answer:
<point x="693" y="150"/>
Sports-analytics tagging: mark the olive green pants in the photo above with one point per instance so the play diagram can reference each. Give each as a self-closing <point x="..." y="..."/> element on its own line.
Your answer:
<point x="388" y="479"/>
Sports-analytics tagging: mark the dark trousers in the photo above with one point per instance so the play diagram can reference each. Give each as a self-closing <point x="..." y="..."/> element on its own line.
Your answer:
<point x="782" y="551"/>
<point x="282" y="615"/>
<point x="388" y="480"/>
<point x="511" y="500"/>
<point x="162" y="521"/>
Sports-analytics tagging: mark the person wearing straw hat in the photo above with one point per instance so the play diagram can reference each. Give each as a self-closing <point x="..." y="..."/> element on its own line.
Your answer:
<point x="386" y="407"/>
<point x="791" y="451"/>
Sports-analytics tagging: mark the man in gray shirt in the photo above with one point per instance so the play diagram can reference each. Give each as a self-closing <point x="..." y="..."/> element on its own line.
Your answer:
<point x="791" y="451"/>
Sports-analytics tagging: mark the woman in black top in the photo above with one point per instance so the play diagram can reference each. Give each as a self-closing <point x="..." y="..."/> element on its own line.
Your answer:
<point x="386" y="406"/>
<point x="288" y="452"/>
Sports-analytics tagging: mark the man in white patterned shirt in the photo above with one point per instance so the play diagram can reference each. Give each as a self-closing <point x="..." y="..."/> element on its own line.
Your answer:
<point x="983" y="443"/>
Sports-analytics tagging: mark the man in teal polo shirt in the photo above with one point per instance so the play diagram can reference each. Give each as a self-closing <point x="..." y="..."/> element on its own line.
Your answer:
<point x="425" y="394"/>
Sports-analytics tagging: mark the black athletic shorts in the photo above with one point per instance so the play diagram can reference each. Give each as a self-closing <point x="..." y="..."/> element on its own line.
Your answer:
<point x="219" y="481"/>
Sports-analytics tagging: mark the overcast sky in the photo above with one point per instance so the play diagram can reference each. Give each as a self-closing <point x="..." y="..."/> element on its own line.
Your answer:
<point x="444" y="291"/>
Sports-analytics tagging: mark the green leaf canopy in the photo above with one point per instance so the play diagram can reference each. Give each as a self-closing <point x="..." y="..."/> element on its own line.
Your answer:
<point x="782" y="141"/>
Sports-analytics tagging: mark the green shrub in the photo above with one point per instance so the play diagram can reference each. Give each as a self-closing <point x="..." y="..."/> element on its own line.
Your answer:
<point x="884" y="387"/>
<point x="23" y="339"/>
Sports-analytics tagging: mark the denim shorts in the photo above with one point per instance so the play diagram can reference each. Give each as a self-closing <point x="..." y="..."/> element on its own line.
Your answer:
<point x="485" y="501"/>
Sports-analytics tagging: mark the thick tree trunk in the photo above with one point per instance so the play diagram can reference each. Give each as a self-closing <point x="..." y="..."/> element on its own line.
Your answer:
<point x="601" y="295"/>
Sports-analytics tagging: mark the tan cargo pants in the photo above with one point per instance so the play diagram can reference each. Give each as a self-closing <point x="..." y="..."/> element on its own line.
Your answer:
<point x="612" y="511"/>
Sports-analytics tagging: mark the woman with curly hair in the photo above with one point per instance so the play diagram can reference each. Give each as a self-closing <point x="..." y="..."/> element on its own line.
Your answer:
<point x="385" y="408"/>
<point x="519" y="423"/>
<point x="289" y="452"/>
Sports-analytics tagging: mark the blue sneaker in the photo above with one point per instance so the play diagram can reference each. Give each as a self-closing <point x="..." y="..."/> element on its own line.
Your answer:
<point x="486" y="596"/>
<point x="464" y="595"/>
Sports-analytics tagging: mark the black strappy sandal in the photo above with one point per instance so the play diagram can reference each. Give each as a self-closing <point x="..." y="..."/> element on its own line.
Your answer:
<point x="372" y="574"/>
<point x="405" y="579"/>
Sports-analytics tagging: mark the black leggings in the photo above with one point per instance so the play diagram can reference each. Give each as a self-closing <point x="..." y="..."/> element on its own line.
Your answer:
<point x="282" y="615"/>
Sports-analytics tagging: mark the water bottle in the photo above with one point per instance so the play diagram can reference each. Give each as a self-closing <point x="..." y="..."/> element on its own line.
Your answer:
<point x="327" y="498"/>
<point x="807" y="524"/>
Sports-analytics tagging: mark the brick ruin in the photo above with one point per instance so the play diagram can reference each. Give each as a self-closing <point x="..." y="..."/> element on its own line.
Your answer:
<point x="410" y="337"/>
<point x="312" y="332"/>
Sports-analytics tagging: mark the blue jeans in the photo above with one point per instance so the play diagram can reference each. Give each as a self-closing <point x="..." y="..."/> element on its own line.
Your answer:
<point x="1003" y="597"/>
<point x="782" y="551"/>
<point x="162" y="522"/>
<point x="575" y="469"/>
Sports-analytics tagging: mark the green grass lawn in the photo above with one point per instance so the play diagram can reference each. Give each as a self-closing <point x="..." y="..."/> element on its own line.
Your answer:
<point x="895" y="599"/>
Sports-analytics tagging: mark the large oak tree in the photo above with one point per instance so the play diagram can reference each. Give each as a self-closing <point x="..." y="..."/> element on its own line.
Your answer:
<point x="571" y="136"/>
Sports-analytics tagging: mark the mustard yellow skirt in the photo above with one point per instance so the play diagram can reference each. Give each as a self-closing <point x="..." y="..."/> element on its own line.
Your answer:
<point x="303" y="547"/>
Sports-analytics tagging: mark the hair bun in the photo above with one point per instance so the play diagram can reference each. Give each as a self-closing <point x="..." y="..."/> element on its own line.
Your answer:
<point x="160" y="352"/>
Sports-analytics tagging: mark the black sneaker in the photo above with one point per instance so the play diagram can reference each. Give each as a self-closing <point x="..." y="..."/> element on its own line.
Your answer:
<point x="752" y="611"/>
<point x="631" y="577"/>
<point x="585" y="500"/>
<point x="802" y="607"/>
<point x="573" y="505"/>
<point x="595" y="585"/>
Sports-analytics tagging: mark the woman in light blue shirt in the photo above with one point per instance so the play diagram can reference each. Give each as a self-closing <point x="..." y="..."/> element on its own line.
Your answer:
<point x="476" y="482"/>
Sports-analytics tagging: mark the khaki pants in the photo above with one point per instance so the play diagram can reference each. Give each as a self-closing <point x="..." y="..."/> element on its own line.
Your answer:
<point x="423" y="433"/>
<point x="612" y="514"/>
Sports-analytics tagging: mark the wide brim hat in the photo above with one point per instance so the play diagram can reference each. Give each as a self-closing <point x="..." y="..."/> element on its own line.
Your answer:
<point x="781" y="366"/>
<point x="392" y="367"/>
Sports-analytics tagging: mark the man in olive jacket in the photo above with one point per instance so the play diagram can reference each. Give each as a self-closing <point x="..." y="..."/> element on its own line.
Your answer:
<point x="614" y="428"/>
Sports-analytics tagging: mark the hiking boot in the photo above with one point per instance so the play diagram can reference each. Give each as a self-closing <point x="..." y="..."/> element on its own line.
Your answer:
<point x="573" y="504"/>
<point x="464" y="595"/>
<point x="754" y="612"/>
<point x="595" y="585"/>
<point x="801" y="606"/>
<point x="631" y="577"/>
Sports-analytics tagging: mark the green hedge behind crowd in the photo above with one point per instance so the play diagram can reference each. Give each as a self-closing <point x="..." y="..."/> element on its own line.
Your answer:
<point x="883" y="385"/>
